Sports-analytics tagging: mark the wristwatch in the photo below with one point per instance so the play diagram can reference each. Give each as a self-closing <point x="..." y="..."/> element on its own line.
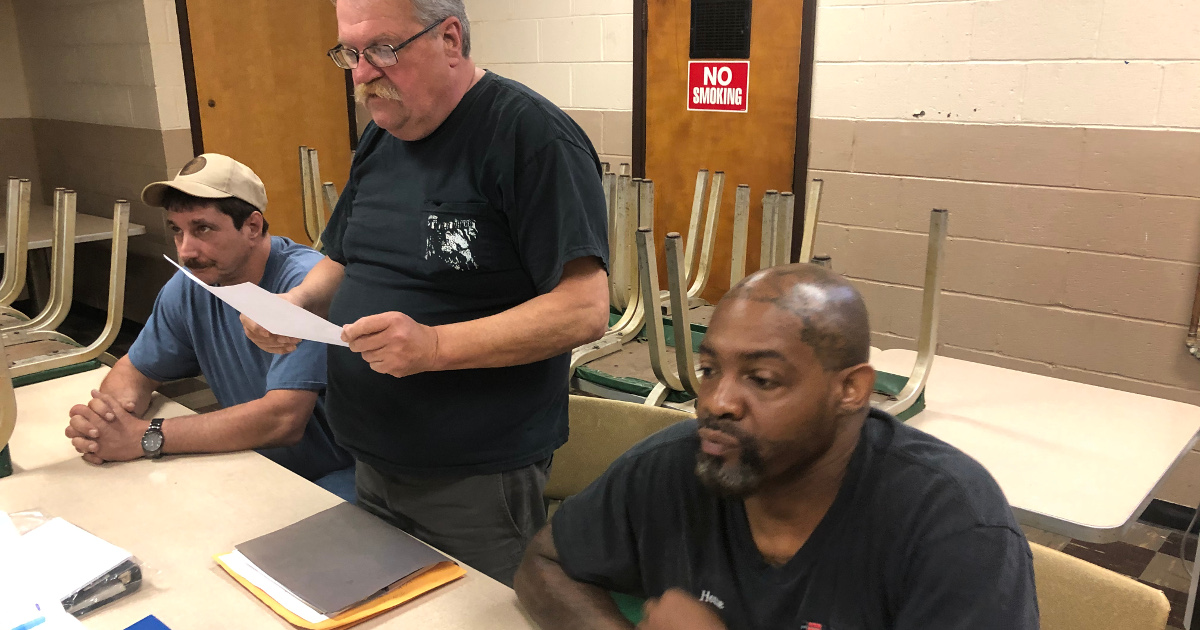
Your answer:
<point x="152" y="440"/>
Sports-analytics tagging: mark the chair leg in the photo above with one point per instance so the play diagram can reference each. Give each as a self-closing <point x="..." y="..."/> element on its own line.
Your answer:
<point x="812" y="210"/>
<point x="710" y="236"/>
<point x="618" y="263"/>
<point x="693" y="234"/>
<point x="766" y="256"/>
<point x="927" y="338"/>
<point x="685" y="361"/>
<point x="783" y="236"/>
<point x="655" y="332"/>
<point x="8" y="402"/>
<point x="741" y="232"/>
<point x="62" y="268"/>
<point x="116" y="302"/>
<point x="308" y="196"/>
<point x="16" y="240"/>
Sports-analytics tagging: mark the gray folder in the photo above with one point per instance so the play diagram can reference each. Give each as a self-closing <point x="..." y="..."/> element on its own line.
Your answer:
<point x="340" y="557"/>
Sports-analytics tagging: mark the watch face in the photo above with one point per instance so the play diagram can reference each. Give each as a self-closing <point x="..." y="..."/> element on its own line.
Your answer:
<point x="152" y="441"/>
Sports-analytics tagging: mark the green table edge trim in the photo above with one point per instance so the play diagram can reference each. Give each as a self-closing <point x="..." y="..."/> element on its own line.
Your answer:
<point x="630" y="606"/>
<point x="626" y="384"/>
<point x="47" y="375"/>
<point x="698" y="331"/>
<point x="891" y="385"/>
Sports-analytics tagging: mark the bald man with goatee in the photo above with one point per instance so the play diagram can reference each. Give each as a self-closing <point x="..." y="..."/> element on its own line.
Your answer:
<point x="789" y="504"/>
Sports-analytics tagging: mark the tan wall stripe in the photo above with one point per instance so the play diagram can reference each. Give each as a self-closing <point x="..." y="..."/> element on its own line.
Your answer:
<point x="1072" y="251"/>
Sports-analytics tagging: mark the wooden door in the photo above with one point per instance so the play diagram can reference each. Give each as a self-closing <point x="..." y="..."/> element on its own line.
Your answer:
<point x="756" y="148"/>
<point x="264" y="87"/>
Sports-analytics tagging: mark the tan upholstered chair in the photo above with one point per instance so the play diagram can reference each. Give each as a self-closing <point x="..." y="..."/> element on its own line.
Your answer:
<point x="1077" y="595"/>
<point x="601" y="430"/>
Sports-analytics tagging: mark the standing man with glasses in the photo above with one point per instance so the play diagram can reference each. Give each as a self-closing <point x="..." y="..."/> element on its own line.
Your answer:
<point x="465" y="259"/>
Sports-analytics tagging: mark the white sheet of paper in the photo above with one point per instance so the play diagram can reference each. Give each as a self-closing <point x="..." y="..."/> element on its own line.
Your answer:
<point x="63" y="558"/>
<point x="19" y="606"/>
<point x="276" y="591"/>
<point x="273" y="312"/>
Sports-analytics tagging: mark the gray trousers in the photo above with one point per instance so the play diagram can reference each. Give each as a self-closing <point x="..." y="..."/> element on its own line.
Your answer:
<point x="484" y="521"/>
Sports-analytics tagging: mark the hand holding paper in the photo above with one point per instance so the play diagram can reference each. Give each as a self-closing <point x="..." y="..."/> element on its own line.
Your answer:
<point x="272" y="312"/>
<point x="267" y="340"/>
<point x="392" y="343"/>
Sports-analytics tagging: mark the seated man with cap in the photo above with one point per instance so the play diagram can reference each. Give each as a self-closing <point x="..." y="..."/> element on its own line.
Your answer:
<point x="789" y="503"/>
<point x="271" y="403"/>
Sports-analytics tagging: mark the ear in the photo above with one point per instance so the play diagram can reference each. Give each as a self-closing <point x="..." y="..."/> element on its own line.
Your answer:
<point x="253" y="224"/>
<point x="854" y="387"/>
<point x="452" y="37"/>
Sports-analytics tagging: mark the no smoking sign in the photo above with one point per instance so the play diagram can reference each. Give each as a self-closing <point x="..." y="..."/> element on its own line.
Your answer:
<point x="718" y="86"/>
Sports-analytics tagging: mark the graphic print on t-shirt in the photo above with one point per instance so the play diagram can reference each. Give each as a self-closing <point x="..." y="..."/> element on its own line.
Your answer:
<point x="709" y="598"/>
<point x="449" y="240"/>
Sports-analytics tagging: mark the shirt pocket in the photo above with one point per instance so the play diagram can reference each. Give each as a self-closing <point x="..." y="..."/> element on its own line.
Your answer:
<point x="465" y="238"/>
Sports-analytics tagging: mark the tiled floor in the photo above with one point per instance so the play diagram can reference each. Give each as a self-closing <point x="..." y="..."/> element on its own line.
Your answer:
<point x="1147" y="554"/>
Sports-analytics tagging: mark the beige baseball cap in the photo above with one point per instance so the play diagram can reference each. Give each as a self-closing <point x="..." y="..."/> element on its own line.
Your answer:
<point x="212" y="176"/>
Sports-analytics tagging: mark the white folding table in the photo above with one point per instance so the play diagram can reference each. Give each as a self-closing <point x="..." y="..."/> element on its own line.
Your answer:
<point x="1073" y="459"/>
<point x="176" y="513"/>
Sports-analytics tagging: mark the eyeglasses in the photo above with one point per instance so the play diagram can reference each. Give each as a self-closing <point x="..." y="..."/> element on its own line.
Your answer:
<point x="379" y="55"/>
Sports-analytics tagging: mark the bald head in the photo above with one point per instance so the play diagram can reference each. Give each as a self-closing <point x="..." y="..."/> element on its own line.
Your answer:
<point x="829" y="311"/>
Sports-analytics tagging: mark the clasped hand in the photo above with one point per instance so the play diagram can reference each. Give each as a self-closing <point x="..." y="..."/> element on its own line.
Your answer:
<point x="105" y="430"/>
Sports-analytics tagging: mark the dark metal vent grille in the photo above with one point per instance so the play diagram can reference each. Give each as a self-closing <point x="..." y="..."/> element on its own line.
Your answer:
<point x="720" y="29"/>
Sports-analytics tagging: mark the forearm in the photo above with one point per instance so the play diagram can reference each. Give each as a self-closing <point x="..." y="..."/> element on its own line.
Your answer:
<point x="556" y="601"/>
<point x="125" y="383"/>
<point x="277" y="419"/>
<point x="316" y="292"/>
<point x="543" y="327"/>
<point x="575" y="312"/>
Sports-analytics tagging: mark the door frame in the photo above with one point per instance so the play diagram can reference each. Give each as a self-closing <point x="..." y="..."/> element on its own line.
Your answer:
<point x="808" y="30"/>
<point x="189" y="76"/>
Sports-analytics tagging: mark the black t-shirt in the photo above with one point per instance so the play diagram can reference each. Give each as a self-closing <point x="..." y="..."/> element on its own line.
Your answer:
<point x="919" y="537"/>
<point x="476" y="218"/>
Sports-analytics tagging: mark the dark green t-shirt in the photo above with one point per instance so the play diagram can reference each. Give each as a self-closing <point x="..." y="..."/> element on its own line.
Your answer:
<point x="476" y="218"/>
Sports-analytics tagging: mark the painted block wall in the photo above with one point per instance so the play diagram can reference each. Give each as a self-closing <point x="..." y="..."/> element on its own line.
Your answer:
<point x="103" y="62"/>
<point x="1064" y="138"/>
<point x="577" y="53"/>
<point x="14" y="98"/>
<point x="18" y="157"/>
<point x="108" y="114"/>
<point x="1061" y="136"/>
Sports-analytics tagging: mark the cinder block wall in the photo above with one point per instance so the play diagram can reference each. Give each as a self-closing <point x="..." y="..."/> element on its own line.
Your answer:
<point x="18" y="157"/>
<point x="577" y="53"/>
<point x="108" y="112"/>
<point x="1063" y="138"/>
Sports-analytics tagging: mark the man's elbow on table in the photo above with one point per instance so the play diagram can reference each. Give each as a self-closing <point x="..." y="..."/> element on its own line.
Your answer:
<point x="291" y="410"/>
